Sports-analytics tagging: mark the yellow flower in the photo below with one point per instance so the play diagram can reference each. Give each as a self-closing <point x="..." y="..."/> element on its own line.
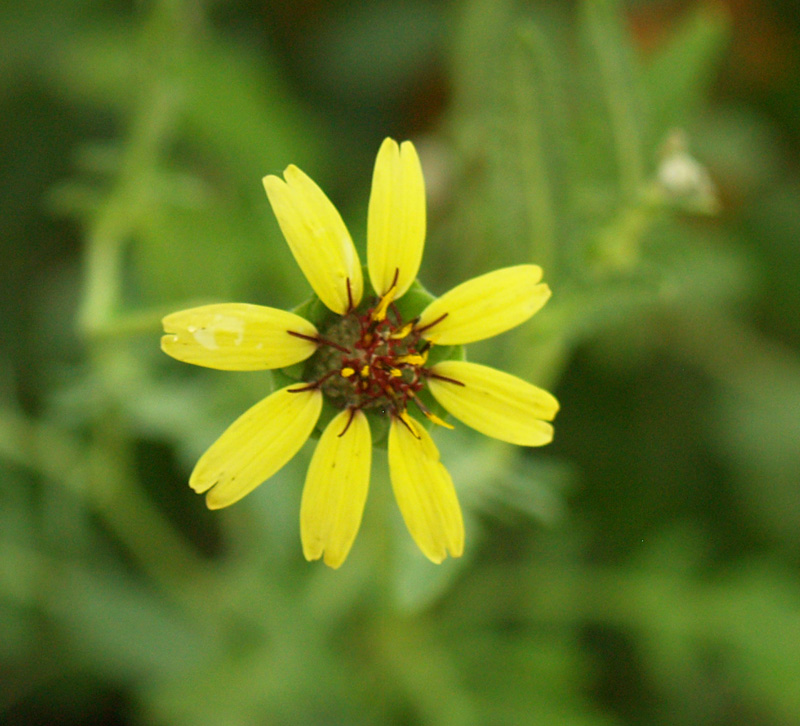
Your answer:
<point x="366" y="361"/>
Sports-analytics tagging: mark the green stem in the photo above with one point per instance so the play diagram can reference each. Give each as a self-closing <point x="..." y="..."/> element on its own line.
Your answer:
<point x="129" y="202"/>
<point x="617" y="246"/>
<point x="100" y="476"/>
<point x="536" y="186"/>
<point x="107" y="468"/>
<point x="615" y="62"/>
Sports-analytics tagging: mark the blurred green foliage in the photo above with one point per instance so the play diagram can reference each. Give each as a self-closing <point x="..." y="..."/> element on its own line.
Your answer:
<point x="641" y="570"/>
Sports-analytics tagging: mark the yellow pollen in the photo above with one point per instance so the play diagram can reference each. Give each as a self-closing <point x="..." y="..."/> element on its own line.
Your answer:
<point x="394" y="373"/>
<point x="413" y="359"/>
<point x="365" y="372"/>
<point x="403" y="332"/>
<point x="347" y="372"/>
<point x="439" y="422"/>
<point x="379" y="313"/>
<point x="409" y="422"/>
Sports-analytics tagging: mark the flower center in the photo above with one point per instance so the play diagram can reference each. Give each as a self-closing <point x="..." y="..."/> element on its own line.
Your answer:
<point x="370" y="360"/>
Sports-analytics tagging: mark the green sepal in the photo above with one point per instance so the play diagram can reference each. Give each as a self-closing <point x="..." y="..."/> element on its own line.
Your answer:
<point x="414" y="301"/>
<point x="314" y="310"/>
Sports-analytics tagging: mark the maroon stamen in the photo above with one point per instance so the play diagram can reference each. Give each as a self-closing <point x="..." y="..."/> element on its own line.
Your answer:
<point x="313" y="385"/>
<point x="350" y="305"/>
<point x="408" y="426"/>
<point x="349" y="421"/>
<point x="422" y="407"/>
<point x="430" y="325"/>
<point x="387" y="368"/>
<point x="430" y="374"/>
<point x="303" y="389"/>
<point x="320" y="341"/>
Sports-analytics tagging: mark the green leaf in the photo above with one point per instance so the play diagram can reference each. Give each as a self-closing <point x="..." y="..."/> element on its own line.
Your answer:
<point x="676" y="78"/>
<point x="615" y="64"/>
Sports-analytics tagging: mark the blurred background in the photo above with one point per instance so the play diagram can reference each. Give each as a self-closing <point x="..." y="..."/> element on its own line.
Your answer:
<point x="643" y="569"/>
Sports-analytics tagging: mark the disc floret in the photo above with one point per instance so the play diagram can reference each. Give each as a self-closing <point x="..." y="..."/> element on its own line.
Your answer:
<point x="371" y="359"/>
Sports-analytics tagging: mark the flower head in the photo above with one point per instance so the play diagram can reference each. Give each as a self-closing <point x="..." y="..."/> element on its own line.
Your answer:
<point x="363" y="364"/>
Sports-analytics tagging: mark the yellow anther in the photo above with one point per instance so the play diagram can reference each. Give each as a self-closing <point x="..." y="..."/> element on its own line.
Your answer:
<point x="403" y="332"/>
<point x="364" y="372"/>
<point x="394" y="373"/>
<point x="379" y="313"/>
<point x="409" y="423"/>
<point x="413" y="359"/>
<point x="347" y="372"/>
<point x="439" y="422"/>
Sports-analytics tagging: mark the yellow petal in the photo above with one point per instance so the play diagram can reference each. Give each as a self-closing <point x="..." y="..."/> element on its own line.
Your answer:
<point x="495" y="403"/>
<point x="336" y="489"/>
<point x="485" y="306"/>
<point x="256" y="445"/>
<point x="396" y="218"/>
<point x="317" y="237"/>
<point x="424" y="491"/>
<point x="237" y="337"/>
